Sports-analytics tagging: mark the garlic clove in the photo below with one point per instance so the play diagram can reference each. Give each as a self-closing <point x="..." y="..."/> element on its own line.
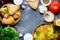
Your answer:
<point x="21" y="34"/>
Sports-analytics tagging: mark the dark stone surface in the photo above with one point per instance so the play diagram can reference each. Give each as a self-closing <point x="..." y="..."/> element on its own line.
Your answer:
<point x="29" y="19"/>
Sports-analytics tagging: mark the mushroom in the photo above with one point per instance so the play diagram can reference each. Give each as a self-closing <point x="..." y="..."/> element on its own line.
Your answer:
<point x="48" y="16"/>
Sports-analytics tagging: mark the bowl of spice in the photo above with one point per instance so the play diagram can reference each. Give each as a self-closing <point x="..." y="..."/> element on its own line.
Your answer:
<point x="46" y="2"/>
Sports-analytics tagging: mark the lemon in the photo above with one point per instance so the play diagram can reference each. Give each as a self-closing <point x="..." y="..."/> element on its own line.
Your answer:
<point x="57" y="22"/>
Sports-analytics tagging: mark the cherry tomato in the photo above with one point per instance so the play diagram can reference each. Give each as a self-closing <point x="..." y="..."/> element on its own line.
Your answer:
<point x="54" y="6"/>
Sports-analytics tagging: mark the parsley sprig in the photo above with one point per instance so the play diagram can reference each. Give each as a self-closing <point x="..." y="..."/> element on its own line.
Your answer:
<point x="8" y="34"/>
<point x="6" y="10"/>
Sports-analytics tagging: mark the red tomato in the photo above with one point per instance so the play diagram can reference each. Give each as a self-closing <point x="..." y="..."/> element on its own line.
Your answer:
<point x="54" y="6"/>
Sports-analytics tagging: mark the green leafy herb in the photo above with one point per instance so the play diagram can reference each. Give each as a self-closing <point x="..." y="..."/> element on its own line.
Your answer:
<point x="1" y="28"/>
<point x="6" y="10"/>
<point x="8" y="34"/>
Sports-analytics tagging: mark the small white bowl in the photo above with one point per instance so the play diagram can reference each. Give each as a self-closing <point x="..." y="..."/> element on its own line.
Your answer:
<point x="42" y="9"/>
<point x="28" y="36"/>
<point x="46" y="4"/>
<point x="18" y="2"/>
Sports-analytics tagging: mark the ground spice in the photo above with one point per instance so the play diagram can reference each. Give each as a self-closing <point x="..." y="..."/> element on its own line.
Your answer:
<point x="46" y="1"/>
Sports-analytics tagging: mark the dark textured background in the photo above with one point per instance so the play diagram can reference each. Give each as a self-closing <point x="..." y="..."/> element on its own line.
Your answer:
<point x="29" y="19"/>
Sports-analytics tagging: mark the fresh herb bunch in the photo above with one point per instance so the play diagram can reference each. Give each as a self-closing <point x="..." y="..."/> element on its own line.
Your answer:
<point x="8" y="34"/>
<point x="6" y="10"/>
